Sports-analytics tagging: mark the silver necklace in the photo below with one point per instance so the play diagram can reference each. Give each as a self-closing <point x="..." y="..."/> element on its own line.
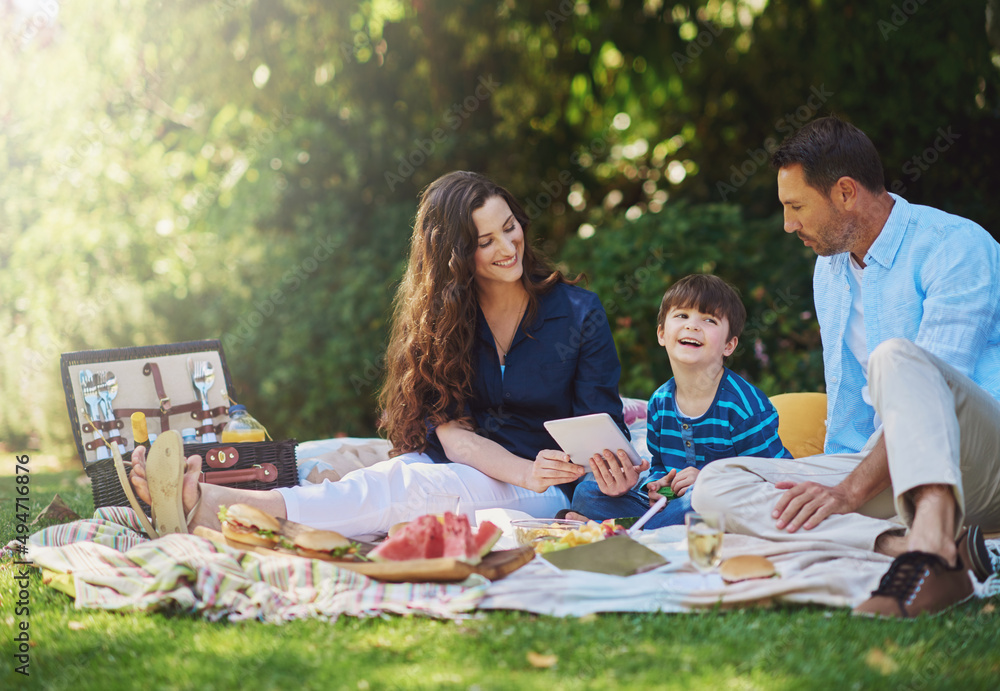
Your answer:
<point x="510" y="342"/>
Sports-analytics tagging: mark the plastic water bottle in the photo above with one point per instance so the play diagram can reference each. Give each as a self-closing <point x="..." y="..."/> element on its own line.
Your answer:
<point x="242" y="427"/>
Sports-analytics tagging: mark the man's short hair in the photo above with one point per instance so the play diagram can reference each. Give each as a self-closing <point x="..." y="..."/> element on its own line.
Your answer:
<point x="829" y="149"/>
<point x="708" y="294"/>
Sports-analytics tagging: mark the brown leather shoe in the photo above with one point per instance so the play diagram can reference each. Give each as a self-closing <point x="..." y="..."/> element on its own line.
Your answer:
<point x="972" y="553"/>
<point x="917" y="583"/>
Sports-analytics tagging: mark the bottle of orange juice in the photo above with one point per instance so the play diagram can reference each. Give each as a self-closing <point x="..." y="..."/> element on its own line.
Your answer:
<point x="242" y="427"/>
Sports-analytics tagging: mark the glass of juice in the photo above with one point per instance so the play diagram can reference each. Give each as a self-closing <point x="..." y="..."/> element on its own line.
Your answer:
<point x="439" y="503"/>
<point x="704" y="538"/>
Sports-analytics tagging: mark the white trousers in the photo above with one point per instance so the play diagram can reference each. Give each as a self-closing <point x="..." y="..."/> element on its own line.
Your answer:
<point x="367" y="502"/>
<point x="940" y="428"/>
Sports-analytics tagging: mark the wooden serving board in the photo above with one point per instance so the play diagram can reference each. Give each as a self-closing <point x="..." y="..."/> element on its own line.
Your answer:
<point x="494" y="565"/>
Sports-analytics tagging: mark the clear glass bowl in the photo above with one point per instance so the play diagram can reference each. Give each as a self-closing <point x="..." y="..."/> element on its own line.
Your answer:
<point x="531" y="531"/>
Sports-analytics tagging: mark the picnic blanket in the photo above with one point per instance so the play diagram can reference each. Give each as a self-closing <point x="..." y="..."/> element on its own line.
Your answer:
<point x="106" y="563"/>
<point x="813" y="572"/>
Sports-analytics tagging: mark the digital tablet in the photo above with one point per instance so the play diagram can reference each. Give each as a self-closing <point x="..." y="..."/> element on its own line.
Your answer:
<point x="581" y="437"/>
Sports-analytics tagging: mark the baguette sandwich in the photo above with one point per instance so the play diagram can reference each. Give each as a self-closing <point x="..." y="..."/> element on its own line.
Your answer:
<point x="249" y="526"/>
<point x="323" y="544"/>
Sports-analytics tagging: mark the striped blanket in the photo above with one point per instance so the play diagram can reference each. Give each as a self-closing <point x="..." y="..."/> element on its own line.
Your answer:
<point x="107" y="563"/>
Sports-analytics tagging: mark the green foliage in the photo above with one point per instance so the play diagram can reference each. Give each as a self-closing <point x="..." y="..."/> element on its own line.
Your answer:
<point x="631" y="264"/>
<point x="308" y="347"/>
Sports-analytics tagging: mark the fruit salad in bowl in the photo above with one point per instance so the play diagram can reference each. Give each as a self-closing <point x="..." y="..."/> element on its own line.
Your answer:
<point x="551" y="534"/>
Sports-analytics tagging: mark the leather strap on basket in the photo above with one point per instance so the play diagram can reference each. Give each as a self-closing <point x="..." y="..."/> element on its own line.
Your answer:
<point x="151" y="368"/>
<point x="205" y="429"/>
<point x="91" y="445"/>
<point x="193" y="408"/>
<point x="266" y="472"/>
<point x="166" y="409"/>
<point x="199" y="414"/>
<point x="103" y="425"/>
<point x="225" y="457"/>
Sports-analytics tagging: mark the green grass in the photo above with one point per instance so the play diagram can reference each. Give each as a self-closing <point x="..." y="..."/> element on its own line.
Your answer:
<point x="783" y="648"/>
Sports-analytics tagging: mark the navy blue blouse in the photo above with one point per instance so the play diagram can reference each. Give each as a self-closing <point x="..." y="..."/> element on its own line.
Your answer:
<point x="563" y="365"/>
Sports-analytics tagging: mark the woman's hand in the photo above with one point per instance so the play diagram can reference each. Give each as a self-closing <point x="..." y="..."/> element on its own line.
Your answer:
<point x="615" y="474"/>
<point x="684" y="479"/>
<point x="552" y="468"/>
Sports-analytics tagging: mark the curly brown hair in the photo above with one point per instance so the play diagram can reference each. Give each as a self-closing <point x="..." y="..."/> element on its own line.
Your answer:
<point x="429" y="358"/>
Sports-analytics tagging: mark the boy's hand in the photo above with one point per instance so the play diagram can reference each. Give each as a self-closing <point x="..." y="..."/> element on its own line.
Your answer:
<point x="614" y="473"/>
<point x="685" y="478"/>
<point x="653" y="488"/>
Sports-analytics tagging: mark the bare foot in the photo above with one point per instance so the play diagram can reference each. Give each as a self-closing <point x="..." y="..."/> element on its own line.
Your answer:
<point x="212" y="497"/>
<point x="190" y="493"/>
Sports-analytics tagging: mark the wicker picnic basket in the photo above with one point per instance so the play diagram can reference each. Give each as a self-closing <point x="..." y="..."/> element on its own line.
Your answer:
<point x="156" y="381"/>
<point x="254" y="457"/>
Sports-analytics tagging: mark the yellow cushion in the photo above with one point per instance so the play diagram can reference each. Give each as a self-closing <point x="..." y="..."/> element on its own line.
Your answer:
<point x="801" y="422"/>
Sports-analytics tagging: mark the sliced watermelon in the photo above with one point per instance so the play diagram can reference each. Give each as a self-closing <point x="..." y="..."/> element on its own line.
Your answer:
<point x="486" y="536"/>
<point x="419" y="539"/>
<point x="458" y="539"/>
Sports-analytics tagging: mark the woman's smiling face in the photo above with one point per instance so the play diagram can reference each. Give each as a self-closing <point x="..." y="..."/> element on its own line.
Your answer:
<point x="499" y="253"/>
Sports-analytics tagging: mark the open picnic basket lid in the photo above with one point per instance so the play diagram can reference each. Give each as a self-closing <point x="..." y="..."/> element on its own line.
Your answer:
<point x="143" y="373"/>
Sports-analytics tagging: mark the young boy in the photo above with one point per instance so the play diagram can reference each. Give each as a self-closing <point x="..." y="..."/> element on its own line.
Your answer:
<point x="704" y="413"/>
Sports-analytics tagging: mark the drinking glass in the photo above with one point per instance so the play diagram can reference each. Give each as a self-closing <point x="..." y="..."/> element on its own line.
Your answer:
<point x="439" y="503"/>
<point x="704" y="537"/>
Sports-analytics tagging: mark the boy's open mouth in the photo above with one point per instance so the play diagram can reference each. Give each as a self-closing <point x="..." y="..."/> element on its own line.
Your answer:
<point x="690" y="342"/>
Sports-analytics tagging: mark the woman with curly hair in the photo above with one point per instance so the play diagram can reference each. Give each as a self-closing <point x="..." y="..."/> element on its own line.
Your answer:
<point x="488" y="342"/>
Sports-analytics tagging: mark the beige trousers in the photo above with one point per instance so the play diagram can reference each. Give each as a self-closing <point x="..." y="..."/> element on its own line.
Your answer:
<point x="940" y="427"/>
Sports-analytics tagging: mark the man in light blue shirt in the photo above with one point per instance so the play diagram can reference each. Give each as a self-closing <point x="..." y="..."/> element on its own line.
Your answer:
<point x="908" y="302"/>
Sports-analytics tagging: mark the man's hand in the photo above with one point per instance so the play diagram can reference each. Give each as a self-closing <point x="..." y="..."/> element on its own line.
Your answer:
<point x="552" y="468"/>
<point x="615" y="474"/>
<point x="807" y="504"/>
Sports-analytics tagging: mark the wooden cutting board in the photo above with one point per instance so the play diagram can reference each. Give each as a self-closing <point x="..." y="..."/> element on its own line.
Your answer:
<point x="494" y="565"/>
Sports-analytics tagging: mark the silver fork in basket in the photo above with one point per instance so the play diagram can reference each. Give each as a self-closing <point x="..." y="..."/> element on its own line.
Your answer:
<point x="107" y="387"/>
<point x="92" y="397"/>
<point x="202" y="377"/>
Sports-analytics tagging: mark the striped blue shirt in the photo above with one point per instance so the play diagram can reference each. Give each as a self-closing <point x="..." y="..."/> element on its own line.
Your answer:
<point x="931" y="278"/>
<point x="740" y="422"/>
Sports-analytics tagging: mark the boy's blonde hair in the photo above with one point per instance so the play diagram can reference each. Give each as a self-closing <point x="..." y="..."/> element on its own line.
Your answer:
<point x="705" y="293"/>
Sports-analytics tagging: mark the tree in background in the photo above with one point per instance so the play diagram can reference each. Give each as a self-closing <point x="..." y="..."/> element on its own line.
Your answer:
<point x="249" y="170"/>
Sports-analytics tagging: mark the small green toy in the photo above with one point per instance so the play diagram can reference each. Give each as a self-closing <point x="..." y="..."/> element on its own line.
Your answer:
<point x="667" y="492"/>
